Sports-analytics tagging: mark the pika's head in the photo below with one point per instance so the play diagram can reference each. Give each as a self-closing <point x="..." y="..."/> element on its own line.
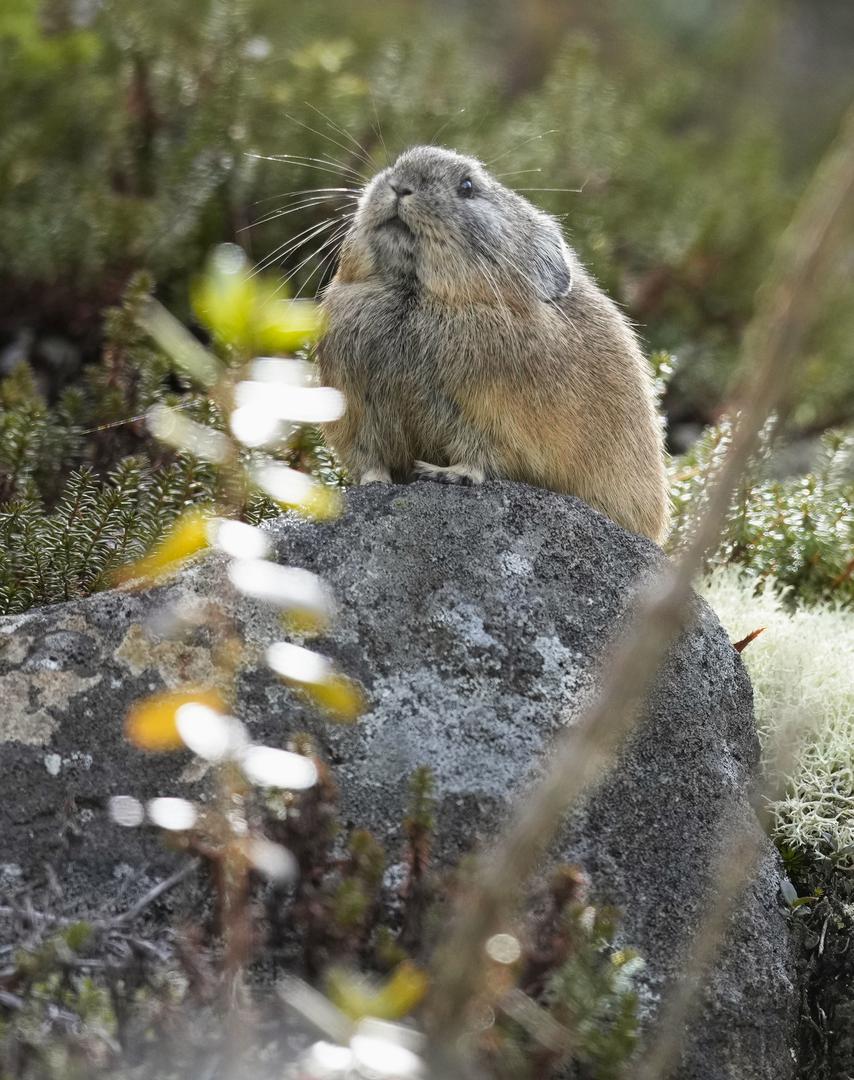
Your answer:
<point x="438" y="220"/>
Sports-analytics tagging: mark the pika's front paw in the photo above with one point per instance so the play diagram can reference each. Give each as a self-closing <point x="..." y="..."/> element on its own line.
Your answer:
<point x="451" y="474"/>
<point x="375" y="476"/>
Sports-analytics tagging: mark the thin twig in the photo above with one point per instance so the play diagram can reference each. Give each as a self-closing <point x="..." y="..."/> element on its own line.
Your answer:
<point x="157" y="891"/>
<point x="32" y="916"/>
<point x="815" y="233"/>
<point x="582" y="754"/>
<point x="8" y="911"/>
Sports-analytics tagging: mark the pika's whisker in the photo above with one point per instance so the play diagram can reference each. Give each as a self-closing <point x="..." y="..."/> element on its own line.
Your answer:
<point x="328" y="261"/>
<point x="516" y="172"/>
<point x="445" y="123"/>
<point x="379" y="131"/>
<point x="284" y="211"/>
<point x="363" y="153"/>
<point x="292" y="244"/>
<point x="513" y="149"/>
<point x="342" y="229"/>
<point x="321" y="164"/>
<point x="572" y="190"/>
<point x="323" y="135"/>
<point x="333" y="250"/>
<point x="332" y="165"/>
<point x="322" y="266"/>
<point x="305" y="191"/>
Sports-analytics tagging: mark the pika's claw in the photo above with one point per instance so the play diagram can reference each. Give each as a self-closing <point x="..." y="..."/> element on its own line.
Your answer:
<point x="451" y="474"/>
<point x="375" y="476"/>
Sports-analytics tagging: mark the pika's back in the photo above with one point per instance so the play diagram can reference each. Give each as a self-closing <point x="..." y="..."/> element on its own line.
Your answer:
<point x="469" y="342"/>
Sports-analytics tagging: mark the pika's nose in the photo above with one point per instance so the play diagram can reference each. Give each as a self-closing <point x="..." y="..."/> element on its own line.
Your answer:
<point x="399" y="189"/>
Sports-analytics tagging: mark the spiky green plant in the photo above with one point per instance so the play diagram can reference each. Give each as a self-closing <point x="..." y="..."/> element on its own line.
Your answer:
<point x="797" y="533"/>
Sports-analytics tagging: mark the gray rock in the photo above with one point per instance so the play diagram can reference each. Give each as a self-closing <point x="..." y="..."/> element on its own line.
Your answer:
<point x="474" y="619"/>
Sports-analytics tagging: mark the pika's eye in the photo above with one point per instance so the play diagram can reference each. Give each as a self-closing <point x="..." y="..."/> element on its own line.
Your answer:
<point x="466" y="188"/>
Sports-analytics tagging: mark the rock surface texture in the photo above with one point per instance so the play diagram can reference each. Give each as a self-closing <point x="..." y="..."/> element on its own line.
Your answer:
<point x="474" y="619"/>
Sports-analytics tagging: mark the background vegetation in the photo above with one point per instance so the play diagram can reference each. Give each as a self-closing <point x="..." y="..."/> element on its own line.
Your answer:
<point x="673" y="140"/>
<point x="131" y="134"/>
<point x="672" y="137"/>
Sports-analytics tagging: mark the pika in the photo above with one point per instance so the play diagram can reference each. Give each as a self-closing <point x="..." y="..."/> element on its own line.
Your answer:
<point x="470" y="343"/>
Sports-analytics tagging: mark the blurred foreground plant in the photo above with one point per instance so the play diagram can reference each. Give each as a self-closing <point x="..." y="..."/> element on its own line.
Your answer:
<point x="591" y="745"/>
<point x="263" y="401"/>
<point x="244" y="833"/>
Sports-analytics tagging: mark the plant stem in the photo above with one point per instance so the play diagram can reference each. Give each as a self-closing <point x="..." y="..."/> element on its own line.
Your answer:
<point x="786" y="306"/>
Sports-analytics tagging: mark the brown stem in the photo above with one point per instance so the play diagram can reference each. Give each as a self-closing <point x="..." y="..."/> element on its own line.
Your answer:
<point x="786" y="306"/>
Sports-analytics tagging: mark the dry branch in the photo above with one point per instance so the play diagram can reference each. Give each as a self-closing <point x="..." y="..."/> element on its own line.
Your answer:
<point x="786" y="307"/>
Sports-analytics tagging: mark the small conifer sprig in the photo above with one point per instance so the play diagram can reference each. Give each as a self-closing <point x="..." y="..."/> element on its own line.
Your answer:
<point x="85" y="485"/>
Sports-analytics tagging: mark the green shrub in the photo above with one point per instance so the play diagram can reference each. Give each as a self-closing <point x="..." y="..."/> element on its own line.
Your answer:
<point x="85" y="488"/>
<point x="149" y="129"/>
<point x="796" y="533"/>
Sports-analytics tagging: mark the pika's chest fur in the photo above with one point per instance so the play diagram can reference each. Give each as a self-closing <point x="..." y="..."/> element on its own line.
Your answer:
<point x="379" y="337"/>
<point x="403" y="364"/>
<point x="372" y="339"/>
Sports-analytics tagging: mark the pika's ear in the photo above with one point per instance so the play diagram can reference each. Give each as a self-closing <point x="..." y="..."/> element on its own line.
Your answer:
<point x="551" y="271"/>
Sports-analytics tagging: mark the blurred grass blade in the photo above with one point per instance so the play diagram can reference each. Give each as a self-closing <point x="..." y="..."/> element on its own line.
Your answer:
<point x="287" y="587"/>
<point x="301" y="404"/>
<point x="176" y="815"/>
<point x="179" y="431"/>
<point x="180" y="344"/>
<point x="208" y="733"/>
<point x="316" y="676"/>
<point x="295" y="491"/>
<point x="238" y="539"/>
<point x="269" y="767"/>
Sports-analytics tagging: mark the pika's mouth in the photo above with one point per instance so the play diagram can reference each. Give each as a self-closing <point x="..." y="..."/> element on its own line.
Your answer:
<point x="395" y="224"/>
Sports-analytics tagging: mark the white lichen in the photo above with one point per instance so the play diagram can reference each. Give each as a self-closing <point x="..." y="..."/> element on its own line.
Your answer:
<point x="53" y="763"/>
<point x="802" y="669"/>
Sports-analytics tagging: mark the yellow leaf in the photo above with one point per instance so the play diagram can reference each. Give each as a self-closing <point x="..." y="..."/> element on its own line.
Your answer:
<point x="339" y="696"/>
<point x="283" y="326"/>
<point x="403" y="991"/>
<point x="294" y="490"/>
<point x="394" y="999"/>
<point x="188" y="535"/>
<point x="316" y="676"/>
<point x="151" y="723"/>
<point x="248" y="312"/>
<point x="323" y="504"/>
<point x="225" y="303"/>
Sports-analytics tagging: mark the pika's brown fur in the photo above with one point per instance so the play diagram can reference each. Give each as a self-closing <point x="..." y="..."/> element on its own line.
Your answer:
<point x="470" y="343"/>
